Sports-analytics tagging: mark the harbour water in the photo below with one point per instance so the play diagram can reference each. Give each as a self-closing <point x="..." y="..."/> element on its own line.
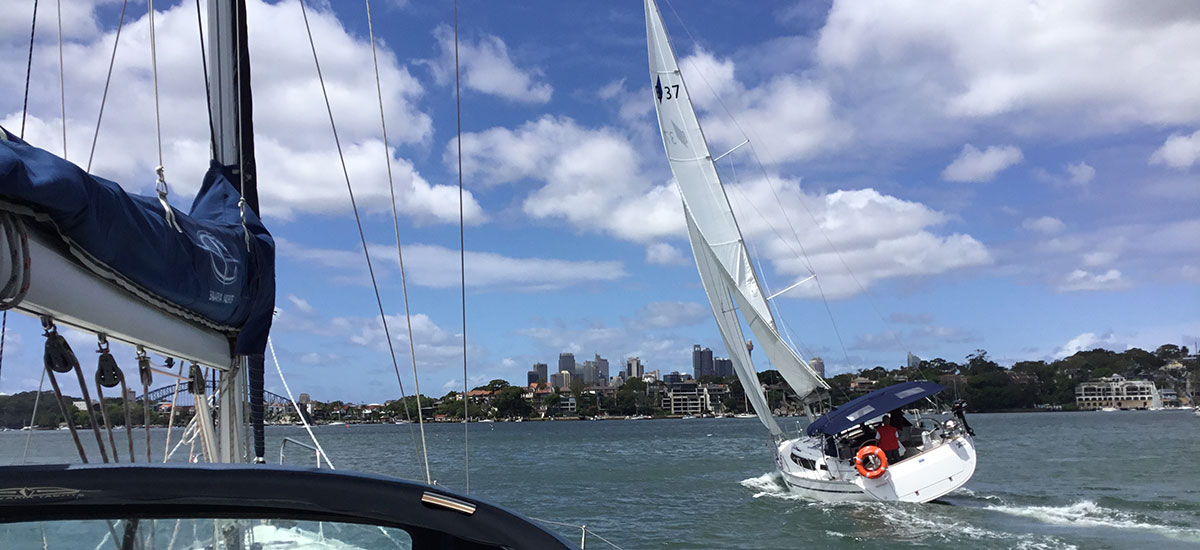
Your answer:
<point x="1048" y="480"/>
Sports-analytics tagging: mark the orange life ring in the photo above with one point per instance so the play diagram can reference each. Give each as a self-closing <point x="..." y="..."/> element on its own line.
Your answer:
<point x="880" y="459"/>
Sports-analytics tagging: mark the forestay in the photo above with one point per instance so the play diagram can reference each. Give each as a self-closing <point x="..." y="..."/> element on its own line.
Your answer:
<point x="217" y="270"/>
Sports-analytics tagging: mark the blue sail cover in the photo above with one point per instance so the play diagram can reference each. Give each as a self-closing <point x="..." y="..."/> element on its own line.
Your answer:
<point x="871" y="405"/>
<point x="208" y="271"/>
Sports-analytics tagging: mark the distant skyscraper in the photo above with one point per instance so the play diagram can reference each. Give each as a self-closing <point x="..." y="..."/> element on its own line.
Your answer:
<point x="634" y="368"/>
<point x="601" y="370"/>
<point x="588" y="373"/>
<point x="531" y="378"/>
<point x="540" y="369"/>
<point x="565" y="378"/>
<point x="723" y="366"/>
<point x="818" y="366"/>
<point x="702" y="361"/>
<point x="566" y="362"/>
<point x="914" y="362"/>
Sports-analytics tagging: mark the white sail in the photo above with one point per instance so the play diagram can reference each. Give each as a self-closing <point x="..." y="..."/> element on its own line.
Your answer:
<point x="693" y="165"/>
<point x="718" y="287"/>
<point x="709" y="210"/>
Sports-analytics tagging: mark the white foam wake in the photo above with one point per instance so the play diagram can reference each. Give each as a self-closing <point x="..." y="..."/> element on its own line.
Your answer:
<point x="770" y="484"/>
<point x="1086" y="513"/>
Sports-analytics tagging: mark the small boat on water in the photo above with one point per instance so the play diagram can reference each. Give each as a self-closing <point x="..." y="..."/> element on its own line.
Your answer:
<point x="834" y="460"/>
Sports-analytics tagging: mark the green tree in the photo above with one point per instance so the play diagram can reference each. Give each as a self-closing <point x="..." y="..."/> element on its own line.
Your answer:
<point x="511" y="403"/>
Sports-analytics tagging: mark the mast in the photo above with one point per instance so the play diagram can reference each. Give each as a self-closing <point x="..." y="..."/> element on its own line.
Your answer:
<point x="231" y="113"/>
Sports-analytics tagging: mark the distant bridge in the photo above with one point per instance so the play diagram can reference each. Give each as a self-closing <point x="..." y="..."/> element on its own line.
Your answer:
<point x="185" y="397"/>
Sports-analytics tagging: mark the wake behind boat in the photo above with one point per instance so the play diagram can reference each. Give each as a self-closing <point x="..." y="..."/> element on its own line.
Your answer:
<point x="825" y="463"/>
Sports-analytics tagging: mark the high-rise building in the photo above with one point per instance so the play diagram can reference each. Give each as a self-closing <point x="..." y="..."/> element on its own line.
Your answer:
<point x="531" y="378"/>
<point x="540" y="369"/>
<point x="555" y="380"/>
<point x="702" y="361"/>
<point x="914" y="362"/>
<point x="601" y="370"/>
<point x="565" y="377"/>
<point x="634" y="368"/>
<point x="818" y="366"/>
<point x="723" y="366"/>
<point x="587" y="373"/>
<point x="566" y="362"/>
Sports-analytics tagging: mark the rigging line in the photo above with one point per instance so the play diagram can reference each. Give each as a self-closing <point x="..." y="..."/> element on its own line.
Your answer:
<point x="28" y="69"/>
<point x="462" y="255"/>
<point x="350" y="189"/>
<point x="33" y="418"/>
<point x="154" y="73"/>
<point x="107" y="79"/>
<point x="62" y="90"/>
<point x="400" y="256"/>
<point x="212" y="130"/>
<point x="303" y="420"/>
<point x="171" y="417"/>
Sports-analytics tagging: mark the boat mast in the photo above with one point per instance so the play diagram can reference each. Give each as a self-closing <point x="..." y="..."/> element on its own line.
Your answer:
<point x="231" y="115"/>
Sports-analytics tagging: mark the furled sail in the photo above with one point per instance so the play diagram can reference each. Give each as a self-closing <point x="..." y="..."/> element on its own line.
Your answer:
<point x="709" y="210"/>
<point x="216" y="270"/>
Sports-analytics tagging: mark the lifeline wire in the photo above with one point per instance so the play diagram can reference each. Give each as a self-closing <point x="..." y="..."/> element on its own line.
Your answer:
<point x="462" y="261"/>
<point x="303" y="421"/>
<point x="400" y="255"/>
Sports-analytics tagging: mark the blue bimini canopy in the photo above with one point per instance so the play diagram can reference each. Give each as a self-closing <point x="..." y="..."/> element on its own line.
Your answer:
<point x="871" y="405"/>
<point x="217" y="269"/>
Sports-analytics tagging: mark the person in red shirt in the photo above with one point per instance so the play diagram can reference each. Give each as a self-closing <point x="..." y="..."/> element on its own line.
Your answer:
<point x="888" y="440"/>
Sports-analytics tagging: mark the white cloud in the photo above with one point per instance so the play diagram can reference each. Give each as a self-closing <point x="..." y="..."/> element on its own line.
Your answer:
<point x="301" y="304"/>
<point x="434" y="266"/>
<point x="1126" y="64"/>
<point x="591" y="177"/>
<point x="1089" y="341"/>
<point x="486" y="67"/>
<point x="973" y="165"/>
<point x="1179" y="151"/>
<point x="1073" y="174"/>
<point x="1045" y="225"/>
<point x="876" y="236"/>
<point x="671" y="314"/>
<point x="1080" y="280"/>
<point x="789" y="118"/>
<point x="297" y="164"/>
<point x="664" y="254"/>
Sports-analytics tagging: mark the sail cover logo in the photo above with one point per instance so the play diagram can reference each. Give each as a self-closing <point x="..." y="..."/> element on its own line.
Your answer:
<point x="658" y="88"/>
<point x="224" y="265"/>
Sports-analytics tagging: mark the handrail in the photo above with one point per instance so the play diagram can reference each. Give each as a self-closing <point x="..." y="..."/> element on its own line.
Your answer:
<point x="287" y="440"/>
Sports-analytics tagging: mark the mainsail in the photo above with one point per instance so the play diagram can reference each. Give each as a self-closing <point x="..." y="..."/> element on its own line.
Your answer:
<point x="721" y="256"/>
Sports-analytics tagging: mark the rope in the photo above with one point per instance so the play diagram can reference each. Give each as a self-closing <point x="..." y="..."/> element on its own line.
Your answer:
<point x="400" y="255"/>
<point x="303" y="420"/>
<point x="107" y="79"/>
<point x="462" y="259"/>
<point x="28" y="69"/>
<point x="171" y="416"/>
<point x="59" y="361"/>
<point x="62" y="90"/>
<point x="160" y="184"/>
<point x="33" y="418"/>
<point x="17" y="285"/>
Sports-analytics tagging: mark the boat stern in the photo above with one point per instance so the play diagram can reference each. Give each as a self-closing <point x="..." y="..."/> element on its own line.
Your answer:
<point x="926" y="476"/>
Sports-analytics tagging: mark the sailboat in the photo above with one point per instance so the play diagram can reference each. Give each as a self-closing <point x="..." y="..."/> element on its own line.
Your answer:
<point x="827" y="461"/>
<point x="78" y="251"/>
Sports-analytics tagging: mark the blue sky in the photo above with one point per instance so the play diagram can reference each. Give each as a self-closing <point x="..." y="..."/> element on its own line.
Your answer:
<point x="1022" y="178"/>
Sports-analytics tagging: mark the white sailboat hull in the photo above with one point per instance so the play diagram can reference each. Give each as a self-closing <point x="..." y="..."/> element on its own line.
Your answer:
<point x="921" y="476"/>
